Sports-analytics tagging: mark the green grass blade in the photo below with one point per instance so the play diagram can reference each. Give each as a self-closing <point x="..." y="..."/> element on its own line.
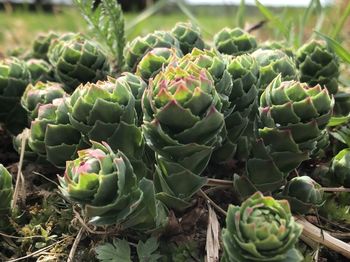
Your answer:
<point x="339" y="26"/>
<point x="146" y="14"/>
<point x="337" y="48"/>
<point x="277" y="23"/>
<point x="308" y="11"/>
<point x="183" y="7"/>
<point x="240" y="22"/>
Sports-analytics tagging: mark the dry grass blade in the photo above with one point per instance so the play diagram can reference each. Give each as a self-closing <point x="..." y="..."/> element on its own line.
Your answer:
<point x="212" y="243"/>
<point x="20" y="186"/>
<point x="323" y="237"/>
<point x="75" y="245"/>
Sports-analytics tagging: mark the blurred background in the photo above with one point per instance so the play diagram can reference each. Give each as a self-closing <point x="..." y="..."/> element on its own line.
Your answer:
<point x="21" y="20"/>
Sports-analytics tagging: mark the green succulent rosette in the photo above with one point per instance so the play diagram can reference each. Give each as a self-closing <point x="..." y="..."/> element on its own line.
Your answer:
<point x="240" y="123"/>
<point x="303" y="194"/>
<point x="304" y="111"/>
<point x="318" y="65"/>
<point x="105" y="185"/>
<point x="217" y="67"/>
<point x="140" y="46"/>
<point x="39" y="94"/>
<point x="40" y="70"/>
<point x="261" y="229"/>
<point x="294" y="117"/>
<point x="189" y="37"/>
<point x="14" y="77"/>
<point x="77" y="60"/>
<point x="271" y="64"/>
<point x="234" y="41"/>
<point x="182" y="124"/>
<point x="52" y="136"/>
<point x="283" y="46"/>
<point x="137" y="86"/>
<point x="105" y="111"/>
<point x="340" y="167"/>
<point x="6" y="191"/>
<point x="155" y="60"/>
<point x="42" y="44"/>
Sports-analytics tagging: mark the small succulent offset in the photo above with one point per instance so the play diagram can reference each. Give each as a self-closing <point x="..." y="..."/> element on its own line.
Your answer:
<point x="105" y="184"/>
<point x="234" y="41"/>
<point x="189" y="37"/>
<point x="42" y="44"/>
<point x="52" y="136"/>
<point x="39" y="94"/>
<point x="271" y="64"/>
<point x="340" y="168"/>
<point x="14" y="77"/>
<point x="182" y="124"/>
<point x="217" y="68"/>
<point x="155" y="60"/>
<point x="294" y="117"/>
<point x="261" y="229"/>
<point x="283" y="46"/>
<point x="6" y="191"/>
<point x="40" y="70"/>
<point x="140" y="46"/>
<point x="105" y="111"/>
<point x="318" y="65"/>
<point x="244" y="73"/>
<point x="77" y="60"/>
<point x="137" y="86"/>
<point x="303" y="194"/>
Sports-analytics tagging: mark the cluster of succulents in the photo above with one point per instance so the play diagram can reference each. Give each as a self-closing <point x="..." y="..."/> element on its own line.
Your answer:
<point x="135" y="144"/>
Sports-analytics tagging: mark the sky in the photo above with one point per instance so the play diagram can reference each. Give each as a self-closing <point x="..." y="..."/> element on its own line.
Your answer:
<point x="264" y="2"/>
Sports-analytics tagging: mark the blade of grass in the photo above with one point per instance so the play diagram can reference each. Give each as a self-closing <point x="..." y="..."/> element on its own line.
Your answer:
<point x="339" y="26"/>
<point x="273" y="19"/>
<point x="146" y="14"/>
<point x="308" y="11"/>
<point x="240" y="21"/>
<point x="337" y="48"/>
<point x="183" y="7"/>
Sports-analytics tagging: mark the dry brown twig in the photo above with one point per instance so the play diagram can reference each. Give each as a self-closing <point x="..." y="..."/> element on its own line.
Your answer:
<point x="20" y="179"/>
<point x="75" y="245"/>
<point x="212" y="240"/>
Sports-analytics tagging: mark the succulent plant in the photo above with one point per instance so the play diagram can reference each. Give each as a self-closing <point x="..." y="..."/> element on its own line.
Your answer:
<point x="77" y="60"/>
<point x="40" y="70"/>
<point x="340" y="167"/>
<point x="140" y="46"/>
<point x="273" y="63"/>
<point x="261" y="229"/>
<point x="294" y="117"/>
<point x="189" y="37"/>
<point x="234" y="41"/>
<point x="105" y="184"/>
<point x="342" y="102"/>
<point x="14" y="77"/>
<point x="302" y="193"/>
<point x="217" y="67"/>
<point x="105" y="111"/>
<point x="6" y="191"/>
<point x="38" y="94"/>
<point x="283" y="46"/>
<point x="244" y="72"/>
<point x="318" y="65"/>
<point x="182" y="124"/>
<point x="42" y="44"/>
<point x="52" y="136"/>
<point x="137" y="86"/>
<point x="156" y="59"/>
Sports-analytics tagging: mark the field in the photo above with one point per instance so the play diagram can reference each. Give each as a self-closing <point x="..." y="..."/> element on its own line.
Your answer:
<point x="20" y="26"/>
